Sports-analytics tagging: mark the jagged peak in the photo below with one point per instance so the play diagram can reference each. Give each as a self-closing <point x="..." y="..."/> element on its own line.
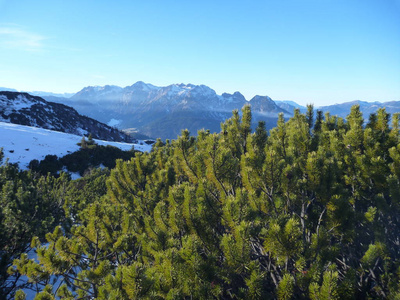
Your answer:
<point x="188" y="86"/>
<point x="235" y="95"/>
<point x="258" y="98"/>
<point x="100" y="88"/>
<point x="142" y="85"/>
<point x="192" y="87"/>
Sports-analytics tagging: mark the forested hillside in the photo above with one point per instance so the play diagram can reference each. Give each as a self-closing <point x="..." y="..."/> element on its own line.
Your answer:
<point x="309" y="210"/>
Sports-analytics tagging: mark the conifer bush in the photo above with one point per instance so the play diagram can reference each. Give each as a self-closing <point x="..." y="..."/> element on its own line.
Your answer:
<point x="309" y="210"/>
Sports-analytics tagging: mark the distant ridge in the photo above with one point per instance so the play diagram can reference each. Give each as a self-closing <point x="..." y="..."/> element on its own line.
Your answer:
<point x="343" y="109"/>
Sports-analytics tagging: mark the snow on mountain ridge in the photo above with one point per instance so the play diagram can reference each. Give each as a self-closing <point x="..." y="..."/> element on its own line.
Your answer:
<point x="235" y="97"/>
<point x="98" y="91"/>
<point x="142" y="98"/>
<point x="15" y="104"/>
<point x="172" y="90"/>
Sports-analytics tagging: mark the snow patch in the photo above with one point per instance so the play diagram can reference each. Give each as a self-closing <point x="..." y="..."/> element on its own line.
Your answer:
<point x="114" y="122"/>
<point x="21" y="102"/>
<point x="75" y="176"/>
<point x="21" y="144"/>
<point x="82" y="131"/>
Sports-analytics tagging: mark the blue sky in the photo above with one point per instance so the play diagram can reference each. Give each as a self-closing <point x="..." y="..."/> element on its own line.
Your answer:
<point x="308" y="51"/>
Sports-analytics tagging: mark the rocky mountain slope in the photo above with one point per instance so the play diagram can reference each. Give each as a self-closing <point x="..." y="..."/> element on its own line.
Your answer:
<point x="290" y="106"/>
<point x="24" y="109"/>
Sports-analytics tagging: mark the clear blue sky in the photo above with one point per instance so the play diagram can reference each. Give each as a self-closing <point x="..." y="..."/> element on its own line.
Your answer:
<point x="309" y="51"/>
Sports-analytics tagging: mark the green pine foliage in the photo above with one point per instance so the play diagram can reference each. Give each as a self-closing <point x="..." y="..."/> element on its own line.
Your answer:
<point x="82" y="161"/>
<point x="309" y="210"/>
<point x="29" y="206"/>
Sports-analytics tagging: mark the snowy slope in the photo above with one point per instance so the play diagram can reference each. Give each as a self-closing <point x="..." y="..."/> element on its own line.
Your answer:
<point x="21" y="144"/>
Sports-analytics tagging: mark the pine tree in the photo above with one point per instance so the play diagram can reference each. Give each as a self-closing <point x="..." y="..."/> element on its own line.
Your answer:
<point x="308" y="211"/>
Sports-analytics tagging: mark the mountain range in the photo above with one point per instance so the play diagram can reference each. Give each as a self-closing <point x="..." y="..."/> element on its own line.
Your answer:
<point x="367" y="108"/>
<point x="143" y="109"/>
<point x="164" y="111"/>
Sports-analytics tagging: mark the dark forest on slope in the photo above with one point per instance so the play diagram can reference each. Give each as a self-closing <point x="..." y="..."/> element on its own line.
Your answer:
<point x="308" y="210"/>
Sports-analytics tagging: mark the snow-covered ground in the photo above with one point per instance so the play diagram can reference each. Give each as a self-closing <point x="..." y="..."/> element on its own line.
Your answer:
<point x="21" y="144"/>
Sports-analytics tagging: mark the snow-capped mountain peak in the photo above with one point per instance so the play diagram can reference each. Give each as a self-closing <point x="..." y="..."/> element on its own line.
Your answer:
<point x="236" y="97"/>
